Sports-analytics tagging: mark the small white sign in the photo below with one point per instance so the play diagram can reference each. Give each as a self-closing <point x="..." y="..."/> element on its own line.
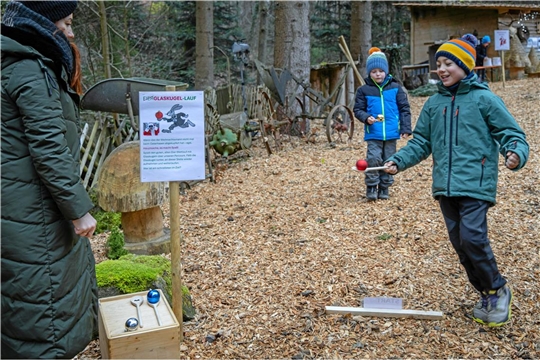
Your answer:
<point x="533" y="42"/>
<point x="171" y="132"/>
<point x="502" y="40"/>
<point x="383" y="303"/>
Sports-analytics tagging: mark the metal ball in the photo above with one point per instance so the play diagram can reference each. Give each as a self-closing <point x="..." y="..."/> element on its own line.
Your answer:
<point x="132" y="324"/>
<point x="153" y="297"/>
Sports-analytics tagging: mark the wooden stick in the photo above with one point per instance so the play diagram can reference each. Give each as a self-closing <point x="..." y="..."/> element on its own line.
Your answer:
<point x="395" y="313"/>
<point x="376" y="168"/>
<point x="343" y="46"/>
<point x="353" y="65"/>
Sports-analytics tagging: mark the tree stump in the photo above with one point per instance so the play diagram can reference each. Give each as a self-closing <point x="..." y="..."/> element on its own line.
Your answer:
<point x="120" y="189"/>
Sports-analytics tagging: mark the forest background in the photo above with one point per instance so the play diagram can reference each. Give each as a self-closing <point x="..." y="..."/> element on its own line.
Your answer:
<point x="191" y="41"/>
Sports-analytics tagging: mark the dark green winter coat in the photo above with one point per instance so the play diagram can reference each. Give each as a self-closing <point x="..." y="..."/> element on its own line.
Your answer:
<point x="465" y="134"/>
<point x="49" y="292"/>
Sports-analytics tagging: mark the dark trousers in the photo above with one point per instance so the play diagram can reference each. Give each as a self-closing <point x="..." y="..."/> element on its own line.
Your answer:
<point x="481" y="74"/>
<point x="377" y="152"/>
<point x="466" y="222"/>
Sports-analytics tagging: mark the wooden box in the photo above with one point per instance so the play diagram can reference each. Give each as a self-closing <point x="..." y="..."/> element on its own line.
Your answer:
<point x="152" y="341"/>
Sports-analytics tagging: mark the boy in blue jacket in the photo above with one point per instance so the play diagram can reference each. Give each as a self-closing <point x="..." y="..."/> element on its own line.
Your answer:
<point x="382" y="105"/>
<point x="465" y="127"/>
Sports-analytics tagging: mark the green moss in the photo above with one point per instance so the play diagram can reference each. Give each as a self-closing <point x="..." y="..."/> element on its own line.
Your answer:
<point x="132" y="273"/>
<point x="135" y="273"/>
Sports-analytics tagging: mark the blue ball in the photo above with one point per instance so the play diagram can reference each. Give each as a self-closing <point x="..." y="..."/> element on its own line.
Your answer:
<point x="153" y="297"/>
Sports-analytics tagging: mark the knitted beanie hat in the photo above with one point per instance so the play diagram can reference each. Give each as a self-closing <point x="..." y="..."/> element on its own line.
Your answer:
<point x="486" y="39"/>
<point x="470" y="38"/>
<point x="459" y="51"/>
<point x="52" y="10"/>
<point x="376" y="60"/>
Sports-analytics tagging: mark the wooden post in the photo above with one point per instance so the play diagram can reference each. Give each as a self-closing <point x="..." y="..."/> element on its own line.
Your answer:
<point x="502" y="68"/>
<point x="176" y="265"/>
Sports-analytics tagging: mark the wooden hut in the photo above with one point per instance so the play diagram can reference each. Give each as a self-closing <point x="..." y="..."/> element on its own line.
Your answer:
<point x="433" y="22"/>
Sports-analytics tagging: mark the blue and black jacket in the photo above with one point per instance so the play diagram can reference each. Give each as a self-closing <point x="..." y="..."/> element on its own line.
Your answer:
<point x="389" y="100"/>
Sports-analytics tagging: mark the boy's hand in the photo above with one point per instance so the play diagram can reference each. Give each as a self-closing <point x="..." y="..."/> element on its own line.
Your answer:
<point x="370" y="120"/>
<point x="405" y="136"/>
<point x="512" y="160"/>
<point x="391" y="167"/>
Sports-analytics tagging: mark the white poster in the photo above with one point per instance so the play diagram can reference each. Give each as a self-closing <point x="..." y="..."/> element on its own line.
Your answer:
<point x="502" y="40"/>
<point x="171" y="133"/>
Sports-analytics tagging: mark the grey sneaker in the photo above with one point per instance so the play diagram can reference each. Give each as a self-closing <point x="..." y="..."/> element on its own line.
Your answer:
<point x="383" y="193"/>
<point x="480" y="311"/>
<point x="371" y="193"/>
<point x="499" y="309"/>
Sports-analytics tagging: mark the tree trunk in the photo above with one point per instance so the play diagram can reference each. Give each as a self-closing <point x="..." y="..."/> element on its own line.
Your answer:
<point x="263" y="24"/>
<point x="361" y="19"/>
<point x="126" y="38"/>
<point x="104" y="40"/>
<point x="204" y="68"/>
<point x="143" y="225"/>
<point x="292" y="45"/>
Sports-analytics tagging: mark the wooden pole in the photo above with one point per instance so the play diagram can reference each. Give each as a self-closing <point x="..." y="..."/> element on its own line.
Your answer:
<point x="176" y="265"/>
<point x="502" y="69"/>
<point x="343" y="46"/>
<point x="394" y="313"/>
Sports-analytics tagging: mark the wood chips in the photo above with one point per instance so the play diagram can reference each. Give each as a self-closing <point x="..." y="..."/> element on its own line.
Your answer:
<point x="276" y="239"/>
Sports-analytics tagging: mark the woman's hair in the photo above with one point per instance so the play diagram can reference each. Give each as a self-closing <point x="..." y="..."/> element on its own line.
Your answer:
<point x="76" y="76"/>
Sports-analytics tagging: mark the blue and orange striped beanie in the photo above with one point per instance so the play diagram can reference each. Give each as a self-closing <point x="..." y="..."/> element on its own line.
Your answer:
<point x="376" y="60"/>
<point x="459" y="51"/>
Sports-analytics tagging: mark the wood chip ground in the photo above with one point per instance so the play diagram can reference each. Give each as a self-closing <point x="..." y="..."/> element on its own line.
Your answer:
<point x="277" y="238"/>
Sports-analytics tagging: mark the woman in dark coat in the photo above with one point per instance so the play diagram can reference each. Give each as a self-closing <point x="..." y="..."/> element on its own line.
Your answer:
<point x="49" y="291"/>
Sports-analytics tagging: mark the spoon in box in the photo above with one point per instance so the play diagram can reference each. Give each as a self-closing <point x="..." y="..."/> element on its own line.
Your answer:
<point x="137" y="301"/>
<point x="153" y="300"/>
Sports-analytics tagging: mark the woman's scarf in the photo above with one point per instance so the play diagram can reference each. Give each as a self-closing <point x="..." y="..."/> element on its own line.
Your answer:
<point x="19" y="16"/>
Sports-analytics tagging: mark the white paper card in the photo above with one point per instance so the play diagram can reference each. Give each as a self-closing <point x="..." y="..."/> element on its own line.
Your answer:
<point x="383" y="303"/>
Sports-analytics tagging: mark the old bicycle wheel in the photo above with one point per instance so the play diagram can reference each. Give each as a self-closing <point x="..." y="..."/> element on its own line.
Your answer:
<point x="340" y="124"/>
<point x="266" y="114"/>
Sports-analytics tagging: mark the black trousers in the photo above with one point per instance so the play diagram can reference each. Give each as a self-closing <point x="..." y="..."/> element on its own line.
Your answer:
<point x="481" y="74"/>
<point x="466" y="222"/>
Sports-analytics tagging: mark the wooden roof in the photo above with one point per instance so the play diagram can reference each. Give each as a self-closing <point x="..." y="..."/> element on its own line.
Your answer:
<point x="521" y="5"/>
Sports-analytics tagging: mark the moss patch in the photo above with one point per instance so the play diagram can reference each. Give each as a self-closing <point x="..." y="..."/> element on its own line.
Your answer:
<point x="135" y="273"/>
<point x="132" y="273"/>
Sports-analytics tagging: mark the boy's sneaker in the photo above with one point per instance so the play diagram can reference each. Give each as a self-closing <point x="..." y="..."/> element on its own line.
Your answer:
<point x="383" y="193"/>
<point x="371" y="193"/>
<point x="480" y="311"/>
<point x="499" y="309"/>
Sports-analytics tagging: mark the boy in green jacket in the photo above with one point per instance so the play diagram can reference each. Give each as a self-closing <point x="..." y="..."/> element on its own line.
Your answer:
<point x="465" y="127"/>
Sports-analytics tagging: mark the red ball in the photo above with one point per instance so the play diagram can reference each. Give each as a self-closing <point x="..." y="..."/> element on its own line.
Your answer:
<point x="361" y="164"/>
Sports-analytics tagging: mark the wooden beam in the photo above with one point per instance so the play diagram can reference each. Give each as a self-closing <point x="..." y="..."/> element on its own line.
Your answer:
<point x="403" y="313"/>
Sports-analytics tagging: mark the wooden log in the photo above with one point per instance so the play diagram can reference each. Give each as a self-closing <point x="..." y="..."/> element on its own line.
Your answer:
<point x="142" y="225"/>
<point x="394" y="313"/>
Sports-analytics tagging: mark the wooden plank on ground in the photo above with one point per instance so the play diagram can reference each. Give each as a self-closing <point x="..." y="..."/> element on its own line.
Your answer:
<point x="403" y="313"/>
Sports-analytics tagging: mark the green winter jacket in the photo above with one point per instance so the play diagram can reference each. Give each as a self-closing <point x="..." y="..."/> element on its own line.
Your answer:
<point x="49" y="291"/>
<point x="465" y="134"/>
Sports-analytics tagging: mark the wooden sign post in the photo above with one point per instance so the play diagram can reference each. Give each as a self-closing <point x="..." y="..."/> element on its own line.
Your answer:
<point x="502" y="43"/>
<point x="176" y="265"/>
